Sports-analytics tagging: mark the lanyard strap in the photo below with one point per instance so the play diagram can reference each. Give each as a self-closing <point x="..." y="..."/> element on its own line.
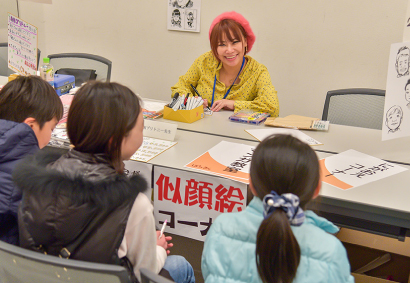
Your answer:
<point x="229" y="90"/>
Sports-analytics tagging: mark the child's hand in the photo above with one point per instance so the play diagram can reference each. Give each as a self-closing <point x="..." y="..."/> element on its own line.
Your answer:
<point x="163" y="241"/>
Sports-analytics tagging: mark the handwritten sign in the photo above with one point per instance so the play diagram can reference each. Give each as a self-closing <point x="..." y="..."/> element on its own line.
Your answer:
<point x="150" y="148"/>
<point x="22" y="46"/>
<point x="261" y="134"/>
<point x="352" y="168"/>
<point x="191" y="201"/>
<point x="159" y="130"/>
<point x="226" y="159"/>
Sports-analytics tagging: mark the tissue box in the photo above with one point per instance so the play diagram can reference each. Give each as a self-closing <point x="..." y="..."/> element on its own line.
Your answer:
<point x="63" y="83"/>
<point x="186" y="116"/>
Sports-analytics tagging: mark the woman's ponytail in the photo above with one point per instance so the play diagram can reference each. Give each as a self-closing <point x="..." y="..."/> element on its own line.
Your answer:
<point x="277" y="251"/>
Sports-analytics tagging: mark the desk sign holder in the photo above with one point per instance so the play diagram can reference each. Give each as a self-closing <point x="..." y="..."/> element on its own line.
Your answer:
<point x="22" y="46"/>
<point x="159" y="130"/>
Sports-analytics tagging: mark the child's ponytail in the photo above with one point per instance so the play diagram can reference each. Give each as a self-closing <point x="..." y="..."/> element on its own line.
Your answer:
<point x="284" y="175"/>
<point x="277" y="251"/>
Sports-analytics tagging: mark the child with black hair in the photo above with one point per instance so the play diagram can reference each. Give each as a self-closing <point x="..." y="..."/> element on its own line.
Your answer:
<point x="274" y="239"/>
<point x="29" y="110"/>
<point x="81" y="205"/>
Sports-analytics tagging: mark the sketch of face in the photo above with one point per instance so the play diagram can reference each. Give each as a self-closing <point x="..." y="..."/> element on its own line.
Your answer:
<point x="393" y="118"/>
<point x="176" y="18"/>
<point x="407" y="93"/>
<point x="402" y="62"/>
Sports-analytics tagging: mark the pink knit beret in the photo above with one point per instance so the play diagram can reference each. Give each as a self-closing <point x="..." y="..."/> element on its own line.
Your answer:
<point x="237" y="18"/>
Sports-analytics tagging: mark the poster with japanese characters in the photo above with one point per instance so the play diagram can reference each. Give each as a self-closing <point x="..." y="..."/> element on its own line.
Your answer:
<point x="184" y="15"/>
<point x="191" y="201"/>
<point x="226" y="159"/>
<point x="150" y="148"/>
<point x="351" y="169"/>
<point x="22" y="46"/>
<point x="261" y="134"/>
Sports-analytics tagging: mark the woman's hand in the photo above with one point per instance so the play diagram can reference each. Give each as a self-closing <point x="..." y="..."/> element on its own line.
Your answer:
<point x="163" y="242"/>
<point x="223" y="104"/>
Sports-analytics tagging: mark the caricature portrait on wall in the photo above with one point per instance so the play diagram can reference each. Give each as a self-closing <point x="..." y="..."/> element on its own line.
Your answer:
<point x="182" y="3"/>
<point x="190" y="19"/>
<point x="394" y="117"/>
<point x="402" y="61"/>
<point x="184" y="15"/>
<point x="397" y="99"/>
<point x="176" y="18"/>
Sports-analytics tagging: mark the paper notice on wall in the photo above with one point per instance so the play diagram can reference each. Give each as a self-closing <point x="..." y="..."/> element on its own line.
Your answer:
<point x="184" y="15"/>
<point x="22" y="46"/>
<point x="226" y="159"/>
<point x="351" y="169"/>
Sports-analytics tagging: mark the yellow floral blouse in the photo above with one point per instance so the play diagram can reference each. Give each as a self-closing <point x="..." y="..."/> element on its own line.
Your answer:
<point x="254" y="91"/>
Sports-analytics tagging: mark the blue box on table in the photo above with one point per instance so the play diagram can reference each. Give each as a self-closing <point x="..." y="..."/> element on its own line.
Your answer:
<point x="63" y="83"/>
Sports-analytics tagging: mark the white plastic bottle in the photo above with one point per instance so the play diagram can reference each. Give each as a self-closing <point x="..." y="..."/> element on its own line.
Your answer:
<point x="47" y="71"/>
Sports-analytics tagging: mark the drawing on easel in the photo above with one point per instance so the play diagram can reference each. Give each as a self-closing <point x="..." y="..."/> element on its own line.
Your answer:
<point x="184" y="15"/>
<point x="402" y="61"/>
<point x="396" y="123"/>
<point x="394" y="116"/>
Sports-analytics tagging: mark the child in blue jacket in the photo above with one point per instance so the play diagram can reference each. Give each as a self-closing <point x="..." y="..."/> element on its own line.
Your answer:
<point x="274" y="239"/>
<point x="29" y="110"/>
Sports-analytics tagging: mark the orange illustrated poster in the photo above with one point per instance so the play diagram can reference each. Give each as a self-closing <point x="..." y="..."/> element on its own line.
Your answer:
<point x="226" y="159"/>
<point x="351" y="169"/>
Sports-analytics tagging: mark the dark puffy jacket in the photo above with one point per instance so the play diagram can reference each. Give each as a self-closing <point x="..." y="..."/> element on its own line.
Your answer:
<point x="16" y="141"/>
<point x="77" y="202"/>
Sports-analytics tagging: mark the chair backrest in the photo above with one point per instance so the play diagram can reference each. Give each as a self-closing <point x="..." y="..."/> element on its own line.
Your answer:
<point x="21" y="265"/>
<point x="358" y="107"/>
<point x="4" y="70"/>
<point x="101" y="65"/>
<point x="148" y="276"/>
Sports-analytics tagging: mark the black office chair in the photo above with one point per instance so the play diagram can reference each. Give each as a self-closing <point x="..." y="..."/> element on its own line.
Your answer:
<point x="150" y="277"/>
<point x="4" y="70"/>
<point x="82" y="66"/>
<point x="358" y="107"/>
<point x="21" y="265"/>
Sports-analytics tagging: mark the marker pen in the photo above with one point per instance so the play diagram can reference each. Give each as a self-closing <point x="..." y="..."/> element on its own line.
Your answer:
<point x="163" y="228"/>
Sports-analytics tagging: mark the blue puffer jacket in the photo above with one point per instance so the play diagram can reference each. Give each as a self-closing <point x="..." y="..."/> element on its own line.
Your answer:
<point x="229" y="251"/>
<point x="16" y="141"/>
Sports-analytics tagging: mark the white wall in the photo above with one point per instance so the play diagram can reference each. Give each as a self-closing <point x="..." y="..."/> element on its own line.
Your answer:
<point x="309" y="47"/>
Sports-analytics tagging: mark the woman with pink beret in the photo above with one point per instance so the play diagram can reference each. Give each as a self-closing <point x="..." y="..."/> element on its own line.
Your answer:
<point x="226" y="77"/>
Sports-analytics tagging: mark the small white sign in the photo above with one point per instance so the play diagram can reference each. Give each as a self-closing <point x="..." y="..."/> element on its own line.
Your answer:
<point x="159" y="130"/>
